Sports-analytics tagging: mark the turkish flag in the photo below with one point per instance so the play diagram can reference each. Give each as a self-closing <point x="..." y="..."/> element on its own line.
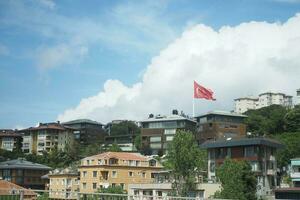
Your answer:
<point x="201" y="92"/>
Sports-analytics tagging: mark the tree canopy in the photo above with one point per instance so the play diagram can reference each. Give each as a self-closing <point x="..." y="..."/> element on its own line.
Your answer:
<point x="125" y="128"/>
<point x="237" y="179"/>
<point x="186" y="162"/>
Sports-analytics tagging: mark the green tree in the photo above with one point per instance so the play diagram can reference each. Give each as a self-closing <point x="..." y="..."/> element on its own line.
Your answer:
<point x="138" y="142"/>
<point x="115" y="148"/>
<point x="291" y="150"/>
<point x="125" y="128"/>
<point x="267" y="120"/>
<point x="186" y="161"/>
<point x="237" y="179"/>
<point x="292" y="120"/>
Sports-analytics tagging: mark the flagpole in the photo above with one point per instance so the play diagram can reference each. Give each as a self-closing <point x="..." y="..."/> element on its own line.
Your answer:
<point x="193" y="106"/>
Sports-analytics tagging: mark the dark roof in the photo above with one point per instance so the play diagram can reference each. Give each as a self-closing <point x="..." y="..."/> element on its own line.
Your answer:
<point x="82" y="121"/>
<point x="223" y="113"/>
<point x="53" y="126"/>
<point x="293" y="189"/>
<point x="241" y="142"/>
<point x="22" y="164"/>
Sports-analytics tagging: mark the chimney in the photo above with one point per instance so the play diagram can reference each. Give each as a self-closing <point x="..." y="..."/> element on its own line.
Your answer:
<point x="151" y="115"/>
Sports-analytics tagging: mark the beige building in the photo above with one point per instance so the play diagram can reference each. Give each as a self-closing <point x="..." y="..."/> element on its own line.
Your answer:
<point x="9" y="139"/>
<point x="63" y="184"/>
<point x="116" y="169"/>
<point x="46" y="136"/>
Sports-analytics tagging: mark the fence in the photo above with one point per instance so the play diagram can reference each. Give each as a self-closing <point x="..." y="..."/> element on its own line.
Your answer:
<point x="47" y="195"/>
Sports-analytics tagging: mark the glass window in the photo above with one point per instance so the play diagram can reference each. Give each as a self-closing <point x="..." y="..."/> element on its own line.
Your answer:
<point x="94" y="173"/>
<point x="155" y="139"/>
<point x="250" y="151"/>
<point x="114" y="174"/>
<point x="94" y="185"/>
<point x="155" y="145"/>
<point x="84" y="185"/>
<point x="130" y="174"/>
<point x="84" y="173"/>
<point x="169" y="138"/>
<point x="170" y="131"/>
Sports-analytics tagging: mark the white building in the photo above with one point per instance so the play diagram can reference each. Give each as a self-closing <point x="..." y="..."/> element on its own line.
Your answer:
<point x="298" y="97"/>
<point x="265" y="99"/>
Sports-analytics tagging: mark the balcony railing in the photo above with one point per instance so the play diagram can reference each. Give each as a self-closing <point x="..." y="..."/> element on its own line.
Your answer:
<point x="295" y="175"/>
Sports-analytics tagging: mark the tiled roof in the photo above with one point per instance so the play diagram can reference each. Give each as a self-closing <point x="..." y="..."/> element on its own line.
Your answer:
<point x="241" y="142"/>
<point x="119" y="155"/>
<point x="9" y="133"/>
<point x="54" y="126"/>
<point x="22" y="164"/>
<point x="8" y="187"/>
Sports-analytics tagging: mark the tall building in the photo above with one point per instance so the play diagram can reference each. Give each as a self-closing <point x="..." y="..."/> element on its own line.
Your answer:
<point x="157" y="132"/>
<point x="116" y="169"/>
<point x="24" y="173"/>
<point x="259" y="152"/>
<point x="87" y="131"/>
<point x="219" y="125"/>
<point x="295" y="172"/>
<point x="47" y="136"/>
<point x="264" y="99"/>
<point x="10" y="139"/>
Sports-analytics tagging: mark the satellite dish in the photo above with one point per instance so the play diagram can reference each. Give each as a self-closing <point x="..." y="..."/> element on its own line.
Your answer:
<point x="228" y="139"/>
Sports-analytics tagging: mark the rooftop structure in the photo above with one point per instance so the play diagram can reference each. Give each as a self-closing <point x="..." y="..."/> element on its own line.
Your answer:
<point x="10" y="190"/>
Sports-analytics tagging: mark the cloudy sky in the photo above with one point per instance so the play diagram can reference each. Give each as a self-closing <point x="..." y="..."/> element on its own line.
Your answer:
<point x="105" y="60"/>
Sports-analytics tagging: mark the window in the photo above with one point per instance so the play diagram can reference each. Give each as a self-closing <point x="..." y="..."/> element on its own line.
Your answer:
<point x="94" y="174"/>
<point x="170" y="131"/>
<point x="130" y="174"/>
<point x="113" y="185"/>
<point x="155" y="145"/>
<point x="122" y="185"/>
<point x="88" y="162"/>
<point x="152" y="163"/>
<point x="250" y="151"/>
<point x="84" y="185"/>
<point x="169" y="138"/>
<point x="155" y="139"/>
<point x="114" y="174"/>
<point x="212" y="167"/>
<point x="144" y="174"/>
<point x="84" y="173"/>
<point x="94" y="186"/>
<point x="255" y="166"/>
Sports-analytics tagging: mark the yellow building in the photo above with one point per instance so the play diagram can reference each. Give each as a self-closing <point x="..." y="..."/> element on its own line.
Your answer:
<point x="116" y="169"/>
<point x="64" y="184"/>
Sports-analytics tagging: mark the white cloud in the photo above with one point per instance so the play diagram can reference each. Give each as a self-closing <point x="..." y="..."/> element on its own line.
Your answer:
<point x="4" y="51"/>
<point x="47" y="3"/>
<point x="233" y="61"/>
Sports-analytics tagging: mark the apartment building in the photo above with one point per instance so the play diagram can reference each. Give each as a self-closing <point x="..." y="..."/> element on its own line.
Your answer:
<point x="295" y="172"/>
<point x="46" y="136"/>
<point x="116" y="169"/>
<point x="298" y="97"/>
<point x="264" y="99"/>
<point x="219" y="125"/>
<point x="24" y="173"/>
<point x="259" y="152"/>
<point x="64" y="183"/>
<point x="10" y="139"/>
<point x="161" y="186"/>
<point x="158" y="131"/>
<point x="87" y="131"/>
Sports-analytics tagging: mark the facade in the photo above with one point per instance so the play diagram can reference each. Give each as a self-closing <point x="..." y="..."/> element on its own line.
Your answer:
<point x="10" y="139"/>
<point x="295" y="172"/>
<point x="220" y="125"/>
<point x="287" y="193"/>
<point x="157" y="132"/>
<point x="12" y="191"/>
<point x="46" y="136"/>
<point x="115" y="169"/>
<point x="24" y="173"/>
<point x="264" y="99"/>
<point x="64" y="184"/>
<point x="162" y="187"/>
<point x="259" y="152"/>
<point x="87" y="131"/>
<point x="125" y="142"/>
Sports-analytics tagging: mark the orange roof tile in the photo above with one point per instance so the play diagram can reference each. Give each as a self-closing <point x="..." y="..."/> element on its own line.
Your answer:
<point x="119" y="155"/>
<point x="6" y="188"/>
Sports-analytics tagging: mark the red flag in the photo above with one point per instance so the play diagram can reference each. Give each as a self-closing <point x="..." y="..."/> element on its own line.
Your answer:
<point x="201" y="92"/>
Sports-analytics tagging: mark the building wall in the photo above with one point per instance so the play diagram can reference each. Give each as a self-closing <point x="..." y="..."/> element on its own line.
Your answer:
<point x="244" y="104"/>
<point x="63" y="186"/>
<point x="94" y="177"/>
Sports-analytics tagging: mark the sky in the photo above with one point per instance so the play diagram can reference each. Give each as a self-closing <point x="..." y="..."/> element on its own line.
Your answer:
<point x="106" y="60"/>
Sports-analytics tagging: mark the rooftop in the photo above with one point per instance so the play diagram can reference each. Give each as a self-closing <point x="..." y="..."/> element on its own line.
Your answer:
<point x="119" y="155"/>
<point x="223" y="113"/>
<point x="67" y="171"/>
<point x="241" y="142"/>
<point x="53" y="126"/>
<point x="82" y="121"/>
<point x="160" y="118"/>
<point x="247" y="98"/>
<point x="9" y="133"/>
<point x="8" y="187"/>
<point x="22" y="164"/>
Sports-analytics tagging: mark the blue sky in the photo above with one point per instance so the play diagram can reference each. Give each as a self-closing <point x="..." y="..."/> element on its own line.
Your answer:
<point x="55" y="53"/>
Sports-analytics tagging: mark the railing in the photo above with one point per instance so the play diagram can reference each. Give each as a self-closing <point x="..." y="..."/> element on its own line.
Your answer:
<point x="15" y="194"/>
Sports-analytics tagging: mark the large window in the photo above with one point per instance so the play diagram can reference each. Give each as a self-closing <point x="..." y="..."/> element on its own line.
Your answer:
<point x="170" y="131"/>
<point x="250" y="151"/>
<point x="94" y="174"/>
<point x="155" y="139"/>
